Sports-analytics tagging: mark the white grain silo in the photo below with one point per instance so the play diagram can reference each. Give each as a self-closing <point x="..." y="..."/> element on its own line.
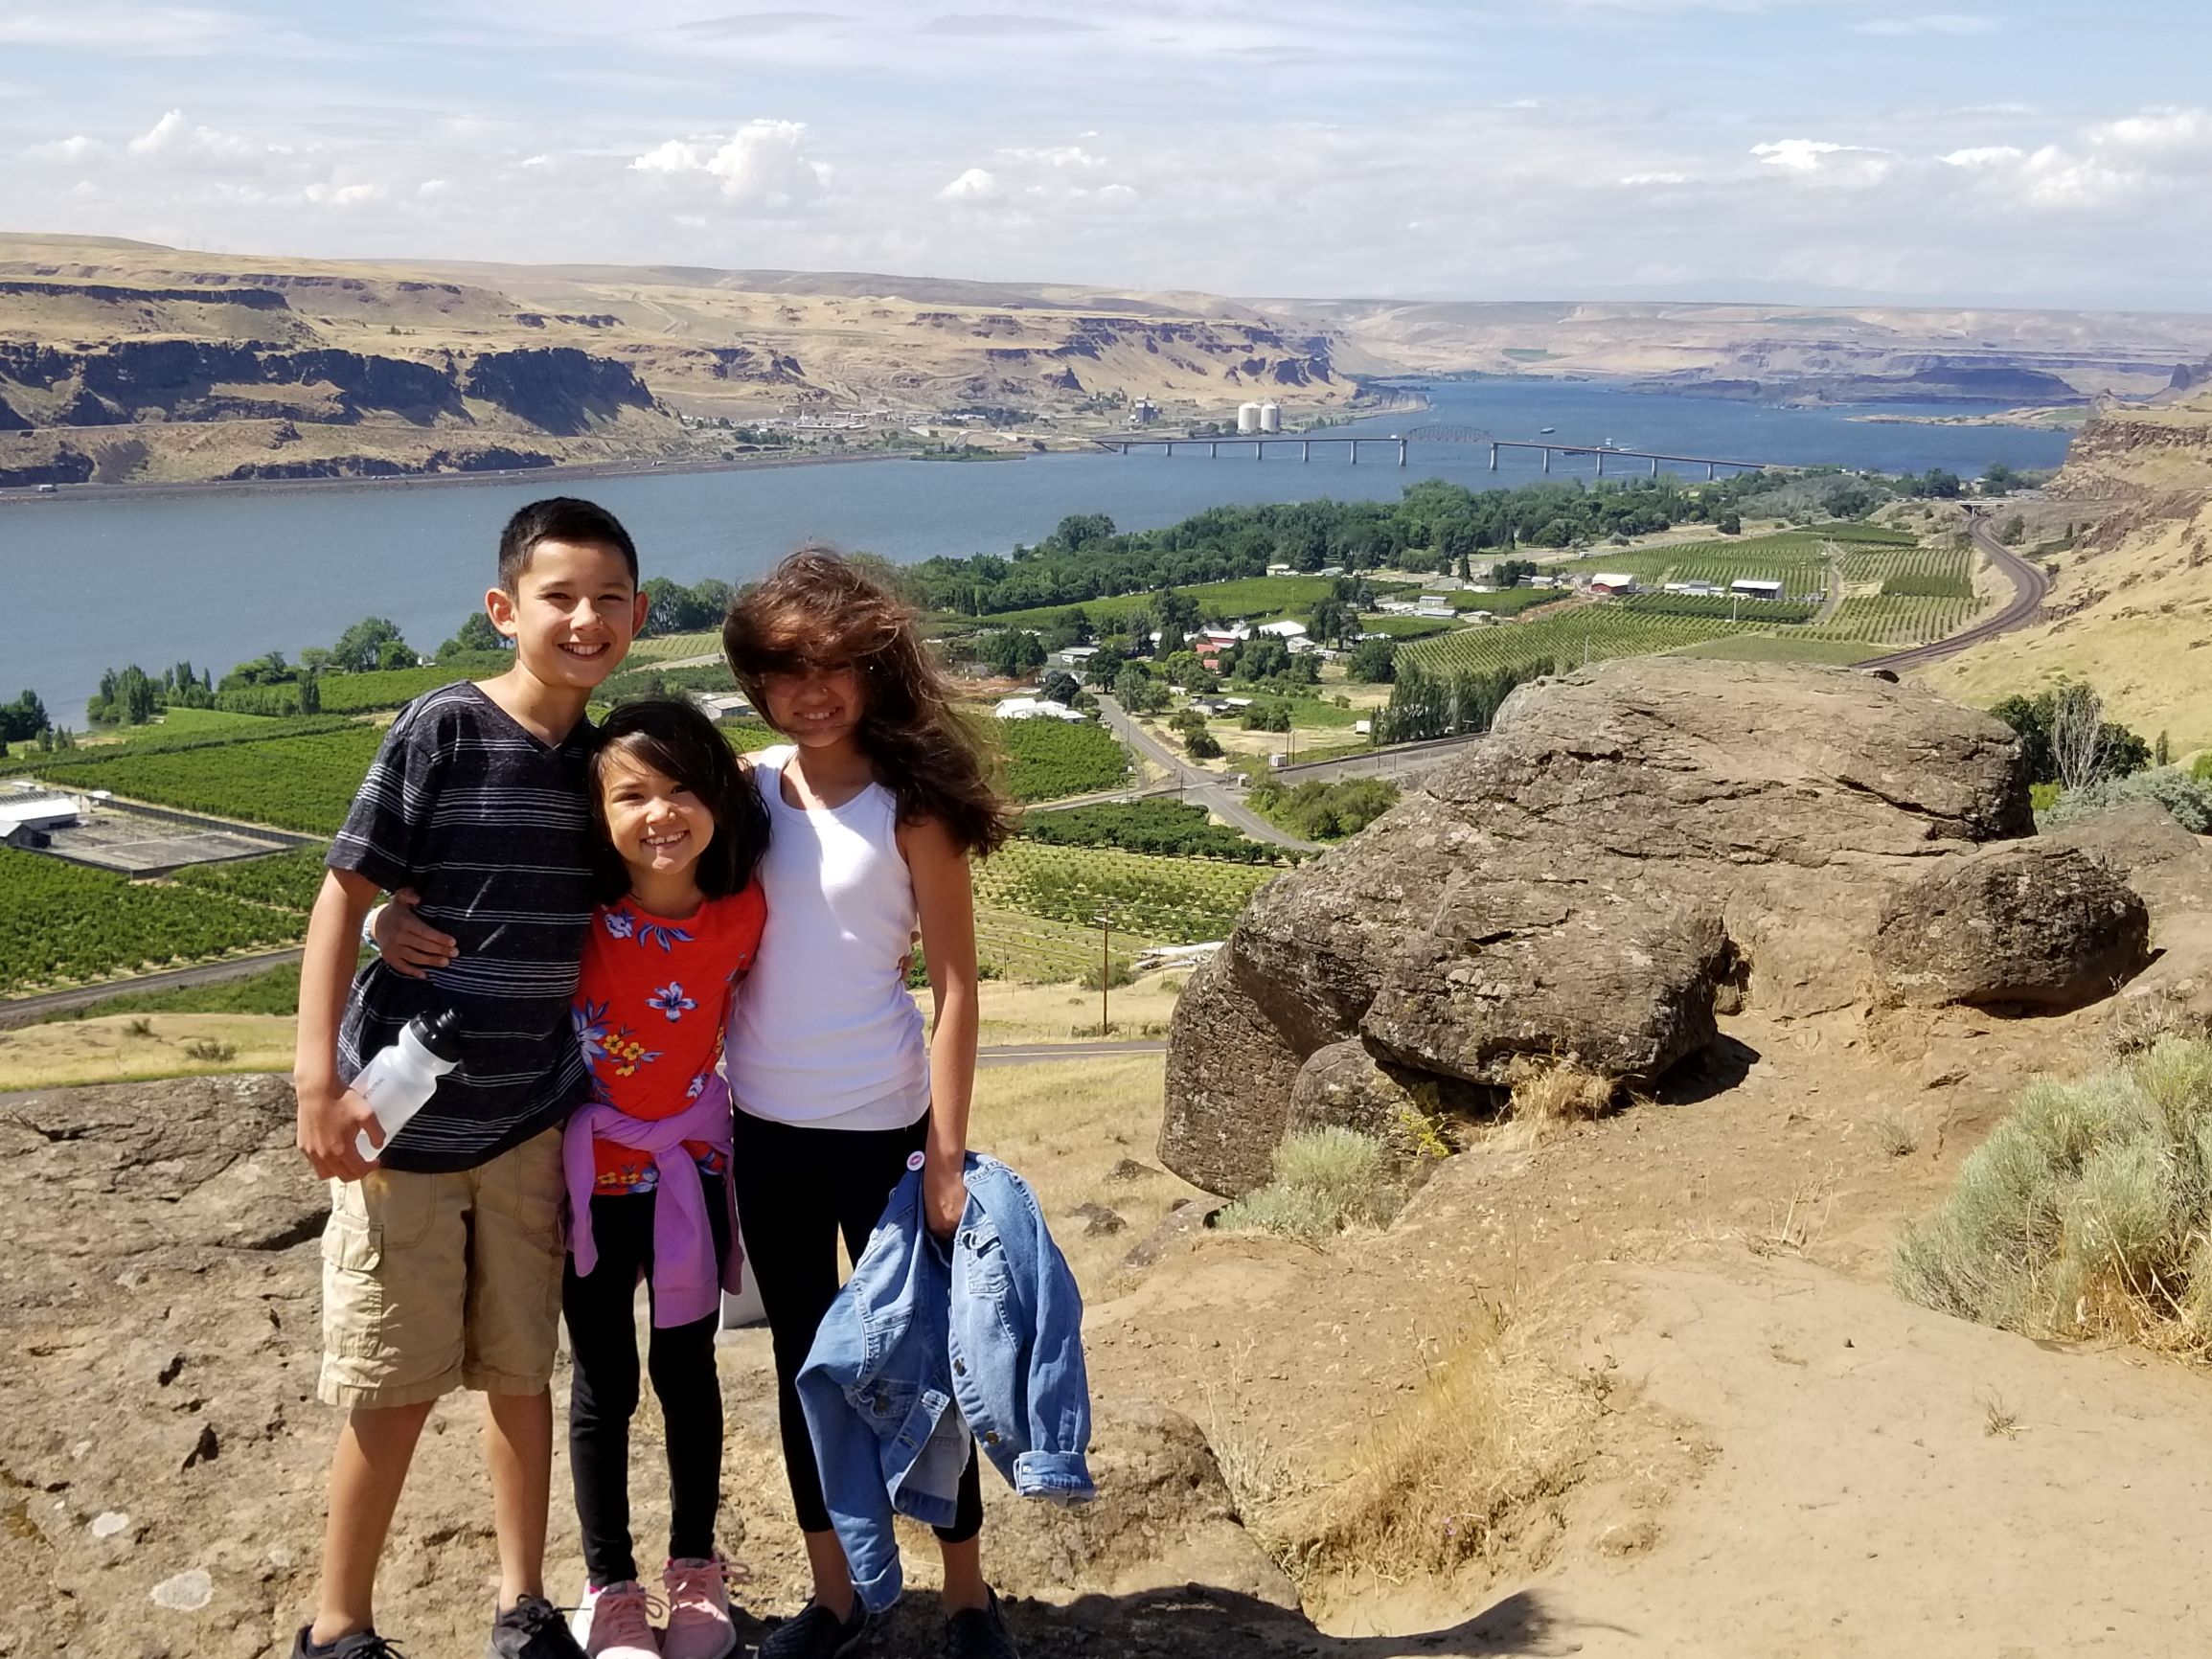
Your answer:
<point x="1248" y="419"/>
<point x="1270" y="416"/>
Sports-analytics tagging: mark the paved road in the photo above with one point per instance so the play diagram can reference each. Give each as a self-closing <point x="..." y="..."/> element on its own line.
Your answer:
<point x="32" y="1009"/>
<point x="1201" y="787"/>
<point x="1400" y="760"/>
<point x="2030" y="586"/>
<point x="1045" y="1054"/>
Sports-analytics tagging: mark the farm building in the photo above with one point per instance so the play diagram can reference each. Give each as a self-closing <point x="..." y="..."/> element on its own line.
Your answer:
<point x="1609" y="581"/>
<point x="719" y="706"/>
<point x="1037" y="709"/>
<point x="1755" y="587"/>
<point x="27" y="813"/>
<point x="1072" y="656"/>
<point x="1700" y="589"/>
<point x="1282" y="630"/>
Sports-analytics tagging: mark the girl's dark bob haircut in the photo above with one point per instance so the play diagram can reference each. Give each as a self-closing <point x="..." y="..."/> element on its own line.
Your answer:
<point x="819" y="609"/>
<point x="680" y="743"/>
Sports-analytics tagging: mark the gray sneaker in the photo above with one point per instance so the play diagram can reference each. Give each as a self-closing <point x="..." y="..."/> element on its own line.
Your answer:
<point x="533" y="1628"/>
<point x="814" y="1633"/>
<point x="979" y="1633"/>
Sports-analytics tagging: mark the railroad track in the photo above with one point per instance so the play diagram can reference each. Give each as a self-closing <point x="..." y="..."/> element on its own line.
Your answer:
<point x="2030" y="587"/>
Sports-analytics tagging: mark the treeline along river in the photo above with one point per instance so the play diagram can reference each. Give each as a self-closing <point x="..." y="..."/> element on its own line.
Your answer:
<point x="220" y="576"/>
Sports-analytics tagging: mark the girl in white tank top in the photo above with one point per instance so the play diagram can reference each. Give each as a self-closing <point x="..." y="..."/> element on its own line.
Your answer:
<point x="875" y="807"/>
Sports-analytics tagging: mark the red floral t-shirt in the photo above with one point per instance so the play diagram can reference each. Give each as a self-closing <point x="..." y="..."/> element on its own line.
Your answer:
<point x="651" y="1006"/>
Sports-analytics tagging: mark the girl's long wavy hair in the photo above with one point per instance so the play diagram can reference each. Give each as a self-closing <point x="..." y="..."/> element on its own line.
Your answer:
<point x="820" y="610"/>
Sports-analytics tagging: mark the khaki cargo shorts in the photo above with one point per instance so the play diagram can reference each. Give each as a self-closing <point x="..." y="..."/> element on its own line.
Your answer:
<point x="433" y="1283"/>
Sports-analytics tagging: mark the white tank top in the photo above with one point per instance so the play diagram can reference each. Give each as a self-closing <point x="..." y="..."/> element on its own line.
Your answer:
<point x="824" y="1032"/>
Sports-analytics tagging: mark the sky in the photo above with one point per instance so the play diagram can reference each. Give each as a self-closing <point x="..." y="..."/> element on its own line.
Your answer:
<point x="1801" y="150"/>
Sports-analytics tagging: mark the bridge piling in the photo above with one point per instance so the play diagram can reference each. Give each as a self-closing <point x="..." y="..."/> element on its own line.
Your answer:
<point x="1213" y="451"/>
<point x="1401" y="452"/>
<point x="1547" y="457"/>
<point x="1305" y="448"/>
<point x="1493" y="457"/>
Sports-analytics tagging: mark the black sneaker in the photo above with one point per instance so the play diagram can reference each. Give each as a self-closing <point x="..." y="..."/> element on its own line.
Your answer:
<point x="814" y="1633"/>
<point x="360" y="1644"/>
<point x="533" y="1628"/>
<point x="979" y="1633"/>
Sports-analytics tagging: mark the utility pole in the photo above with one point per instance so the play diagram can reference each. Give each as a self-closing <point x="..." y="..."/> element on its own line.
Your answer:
<point x="1105" y="968"/>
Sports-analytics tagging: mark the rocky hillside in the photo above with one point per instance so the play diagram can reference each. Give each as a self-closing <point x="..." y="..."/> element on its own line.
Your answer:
<point x="129" y="362"/>
<point x="2130" y="608"/>
<point x="1772" y="354"/>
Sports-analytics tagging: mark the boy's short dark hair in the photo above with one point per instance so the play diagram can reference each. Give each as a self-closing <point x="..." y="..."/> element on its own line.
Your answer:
<point x="560" y="519"/>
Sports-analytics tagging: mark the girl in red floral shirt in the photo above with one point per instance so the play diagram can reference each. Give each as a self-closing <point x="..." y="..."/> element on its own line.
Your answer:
<point x="679" y="918"/>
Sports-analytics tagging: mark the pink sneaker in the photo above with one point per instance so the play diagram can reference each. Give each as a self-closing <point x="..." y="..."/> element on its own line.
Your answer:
<point x="698" y="1603"/>
<point x="616" y="1623"/>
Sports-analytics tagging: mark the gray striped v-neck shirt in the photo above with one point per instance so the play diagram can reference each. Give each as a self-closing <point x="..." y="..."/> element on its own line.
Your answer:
<point x="491" y="825"/>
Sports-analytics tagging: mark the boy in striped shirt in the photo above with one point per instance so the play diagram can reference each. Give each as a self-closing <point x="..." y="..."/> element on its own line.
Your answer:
<point x="443" y="1259"/>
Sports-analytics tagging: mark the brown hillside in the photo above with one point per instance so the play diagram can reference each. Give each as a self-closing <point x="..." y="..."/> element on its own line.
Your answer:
<point x="2130" y="610"/>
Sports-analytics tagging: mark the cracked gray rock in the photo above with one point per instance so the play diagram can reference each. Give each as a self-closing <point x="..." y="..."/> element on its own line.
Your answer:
<point x="1631" y="845"/>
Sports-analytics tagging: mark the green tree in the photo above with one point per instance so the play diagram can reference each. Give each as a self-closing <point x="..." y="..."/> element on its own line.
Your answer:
<point x="1374" y="662"/>
<point x="1729" y="523"/>
<point x="476" y="634"/>
<point x="24" y="719"/>
<point x="1058" y="687"/>
<point x="361" y="646"/>
<point x="1012" y="653"/>
<point x="1201" y="745"/>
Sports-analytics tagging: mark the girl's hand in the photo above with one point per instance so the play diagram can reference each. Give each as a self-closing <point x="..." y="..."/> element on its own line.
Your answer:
<point x="410" y="945"/>
<point x="944" y="1195"/>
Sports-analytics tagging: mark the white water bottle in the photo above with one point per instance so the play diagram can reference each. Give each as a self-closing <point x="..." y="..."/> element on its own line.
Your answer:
<point x="399" y="1081"/>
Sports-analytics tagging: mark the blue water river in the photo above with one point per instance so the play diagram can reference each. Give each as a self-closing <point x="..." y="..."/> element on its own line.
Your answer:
<point x="217" y="577"/>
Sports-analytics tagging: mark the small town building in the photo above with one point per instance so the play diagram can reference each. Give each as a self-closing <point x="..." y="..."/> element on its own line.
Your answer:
<point x="1072" y="656"/>
<point x="1037" y="709"/>
<point x="1282" y="630"/>
<point x="719" y="706"/>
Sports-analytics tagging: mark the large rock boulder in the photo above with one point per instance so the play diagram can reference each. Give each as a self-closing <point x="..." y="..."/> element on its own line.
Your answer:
<point x="2020" y="925"/>
<point x="1629" y="844"/>
<point x="1504" y="971"/>
<point x="1346" y="1087"/>
<point x="1229" y="1075"/>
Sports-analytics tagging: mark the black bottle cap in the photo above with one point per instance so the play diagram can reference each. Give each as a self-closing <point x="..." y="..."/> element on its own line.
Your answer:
<point x="439" y="1032"/>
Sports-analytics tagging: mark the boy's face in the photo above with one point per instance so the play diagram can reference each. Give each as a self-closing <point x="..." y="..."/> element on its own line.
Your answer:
<point x="573" y="612"/>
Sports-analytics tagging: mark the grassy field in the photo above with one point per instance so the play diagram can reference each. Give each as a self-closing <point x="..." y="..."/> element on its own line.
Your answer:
<point x="1586" y="633"/>
<point x="1782" y="648"/>
<point x="671" y="648"/>
<point x="1148" y="896"/>
<point x="1253" y="597"/>
<point x="64" y="925"/>
<point x="1052" y="760"/>
<point x="299" y="782"/>
<point x="176" y="724"/>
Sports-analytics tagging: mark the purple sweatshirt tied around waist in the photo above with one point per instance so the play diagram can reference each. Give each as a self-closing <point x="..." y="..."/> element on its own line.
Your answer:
<point x="685" y="1285"/>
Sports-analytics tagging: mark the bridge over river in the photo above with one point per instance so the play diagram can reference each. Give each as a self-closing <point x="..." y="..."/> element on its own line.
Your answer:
<point x="1303" y="443"/>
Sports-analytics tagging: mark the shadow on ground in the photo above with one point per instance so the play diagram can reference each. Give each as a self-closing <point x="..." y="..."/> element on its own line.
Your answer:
<point x="1198" y="1620"/>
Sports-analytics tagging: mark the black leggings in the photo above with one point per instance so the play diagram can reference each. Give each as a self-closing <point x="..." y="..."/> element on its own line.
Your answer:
<point x="601" y="1313"/>
<point x="797" y="1190"/>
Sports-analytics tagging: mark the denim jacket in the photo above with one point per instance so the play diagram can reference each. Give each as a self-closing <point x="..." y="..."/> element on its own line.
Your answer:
<point x="927" y="1343"/>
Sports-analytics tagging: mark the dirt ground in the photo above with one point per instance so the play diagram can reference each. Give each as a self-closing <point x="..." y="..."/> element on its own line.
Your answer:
<point x="1638" y="1389"/>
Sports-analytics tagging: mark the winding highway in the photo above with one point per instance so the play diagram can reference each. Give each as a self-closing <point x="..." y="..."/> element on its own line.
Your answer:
<point x="2030" y="586"/>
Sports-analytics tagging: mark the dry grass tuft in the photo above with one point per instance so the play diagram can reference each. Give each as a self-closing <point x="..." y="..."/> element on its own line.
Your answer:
<point x="1492" y="1431"/>
<point x="1549" y="1090"/>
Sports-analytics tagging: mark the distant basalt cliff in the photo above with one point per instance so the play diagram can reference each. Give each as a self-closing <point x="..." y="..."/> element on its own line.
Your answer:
<point x="557" y="390"/>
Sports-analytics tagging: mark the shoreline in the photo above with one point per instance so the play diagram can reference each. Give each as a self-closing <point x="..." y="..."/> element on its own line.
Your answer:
<point x="583" y="470"/>
<point x="22" y="495"/>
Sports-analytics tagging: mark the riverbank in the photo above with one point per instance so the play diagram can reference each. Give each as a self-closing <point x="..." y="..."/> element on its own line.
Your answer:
<point x="560" y="474"/>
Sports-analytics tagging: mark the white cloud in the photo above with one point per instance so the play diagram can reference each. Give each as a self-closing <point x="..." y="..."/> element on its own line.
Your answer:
<point x="757" y="168"/>
<point x="976" y="185"/>
<point x="173" y="137"/>
<point x="1933" y="23"/>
